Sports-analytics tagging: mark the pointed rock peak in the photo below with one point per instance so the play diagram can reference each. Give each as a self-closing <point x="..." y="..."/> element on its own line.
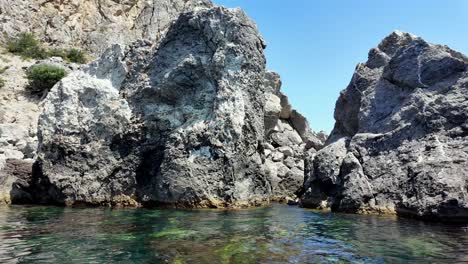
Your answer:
<point x="388" y="47"/>
<point x="395" y="41"/>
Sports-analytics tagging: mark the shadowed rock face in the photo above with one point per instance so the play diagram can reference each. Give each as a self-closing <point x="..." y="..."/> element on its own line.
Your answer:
<point x="400" y="140"/>
<point x="181" y="123"/>
<point x="92" y="25"/>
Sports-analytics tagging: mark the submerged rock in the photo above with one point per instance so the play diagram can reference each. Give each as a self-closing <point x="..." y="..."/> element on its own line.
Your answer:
<point x="400" y="140"/>
<point x="181" y="123"/>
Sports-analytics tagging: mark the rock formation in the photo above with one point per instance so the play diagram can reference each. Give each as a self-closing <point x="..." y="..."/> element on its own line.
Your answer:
<point x="400" y="140"/>
<point x="89" y="25"/>
<point x="194" y="121"/>
<point x="92" y="25"/>
<point x="288" y="141"/>
<point x="19" y="112"/>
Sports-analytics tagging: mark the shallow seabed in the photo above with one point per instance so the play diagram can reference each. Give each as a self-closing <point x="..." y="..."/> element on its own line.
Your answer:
<point x="276" y="234"/>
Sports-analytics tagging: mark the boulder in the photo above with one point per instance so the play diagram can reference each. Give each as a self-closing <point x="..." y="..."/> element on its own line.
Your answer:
<point x="148" y="121"/>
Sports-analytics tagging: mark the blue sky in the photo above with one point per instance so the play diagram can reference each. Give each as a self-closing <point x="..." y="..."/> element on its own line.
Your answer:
<point x="315" y="44"/>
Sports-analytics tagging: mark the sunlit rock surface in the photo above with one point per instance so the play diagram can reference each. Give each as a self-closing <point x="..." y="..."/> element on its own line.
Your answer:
<point x="400" y="140"/>
<point x="185" y="122"/>
<point x="92" y="25"/>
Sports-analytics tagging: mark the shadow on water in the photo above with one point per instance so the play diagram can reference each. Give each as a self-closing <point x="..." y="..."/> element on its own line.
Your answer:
<point x="278" y="234"/>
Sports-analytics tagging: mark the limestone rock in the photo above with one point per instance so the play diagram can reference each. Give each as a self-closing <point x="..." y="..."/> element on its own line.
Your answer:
<point x="400" y="140"/>
<point x="92" y="25"/>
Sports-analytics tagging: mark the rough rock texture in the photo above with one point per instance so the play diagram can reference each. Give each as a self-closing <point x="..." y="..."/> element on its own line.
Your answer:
<point x="92" y="25"/>
<point x="400" y="141"/>
<point x="15" y="179"/>
<point x="181" y="123"/>
<point x="19" y="112"/>
<point x="288" y="140"/>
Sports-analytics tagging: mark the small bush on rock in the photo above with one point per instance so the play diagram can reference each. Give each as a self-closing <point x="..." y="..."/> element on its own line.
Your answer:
<point x="27" y="46"/>
<point x="56" y="53"/>
<point x="2" y="82"/>
<point x="76" y="56"/>
<point x="43" y="77"/>
<point x="71" y="55"/>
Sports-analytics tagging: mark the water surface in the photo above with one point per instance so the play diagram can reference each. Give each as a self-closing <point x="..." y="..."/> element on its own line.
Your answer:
<point x="277" y="234"/>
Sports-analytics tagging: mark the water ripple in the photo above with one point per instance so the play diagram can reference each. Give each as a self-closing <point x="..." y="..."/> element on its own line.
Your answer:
<point x="278" y="234"/>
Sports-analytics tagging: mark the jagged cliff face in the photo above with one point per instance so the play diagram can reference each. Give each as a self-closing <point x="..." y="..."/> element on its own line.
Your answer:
<point x="183" y="123"/>
<point x="400" y="141"/>
<point x="89" y="25"/>
<point x="92" y="25"/>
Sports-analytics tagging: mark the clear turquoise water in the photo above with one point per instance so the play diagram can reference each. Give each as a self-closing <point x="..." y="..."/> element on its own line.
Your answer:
<point x="278" y="234"/>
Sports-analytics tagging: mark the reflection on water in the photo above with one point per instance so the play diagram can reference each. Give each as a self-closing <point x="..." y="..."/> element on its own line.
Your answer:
<point x="278" y="234"/>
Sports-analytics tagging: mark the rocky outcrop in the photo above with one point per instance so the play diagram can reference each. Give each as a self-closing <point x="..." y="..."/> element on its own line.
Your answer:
<point x="19" y="112"/>
<point x="88" y="25"/>
<point x="288" y="141"/>
<point x="92" y="25"/>
<point x="183" y="123"/>
<point x="400" y="140"/>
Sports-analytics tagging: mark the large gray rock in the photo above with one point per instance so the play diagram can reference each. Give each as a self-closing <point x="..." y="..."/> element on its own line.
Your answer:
<point x="92" y="25"/>
<point x="400" y="140"/>
<point x="182" y="123"/>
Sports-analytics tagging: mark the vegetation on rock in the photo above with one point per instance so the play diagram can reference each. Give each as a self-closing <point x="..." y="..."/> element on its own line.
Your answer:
<point x="27" y="46"/>
<point x="70" y="55"/>
<point x="44" y="77"/>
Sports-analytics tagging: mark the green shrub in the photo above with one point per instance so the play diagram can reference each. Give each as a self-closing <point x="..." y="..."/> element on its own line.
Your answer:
<point x="71" y="55"/>
<point x="2" y="82"/>
<point x="27" y="46"/>
<point x="56" y="53"/>
<point x="44" y="77"/>
<point x="76" y="56"/>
